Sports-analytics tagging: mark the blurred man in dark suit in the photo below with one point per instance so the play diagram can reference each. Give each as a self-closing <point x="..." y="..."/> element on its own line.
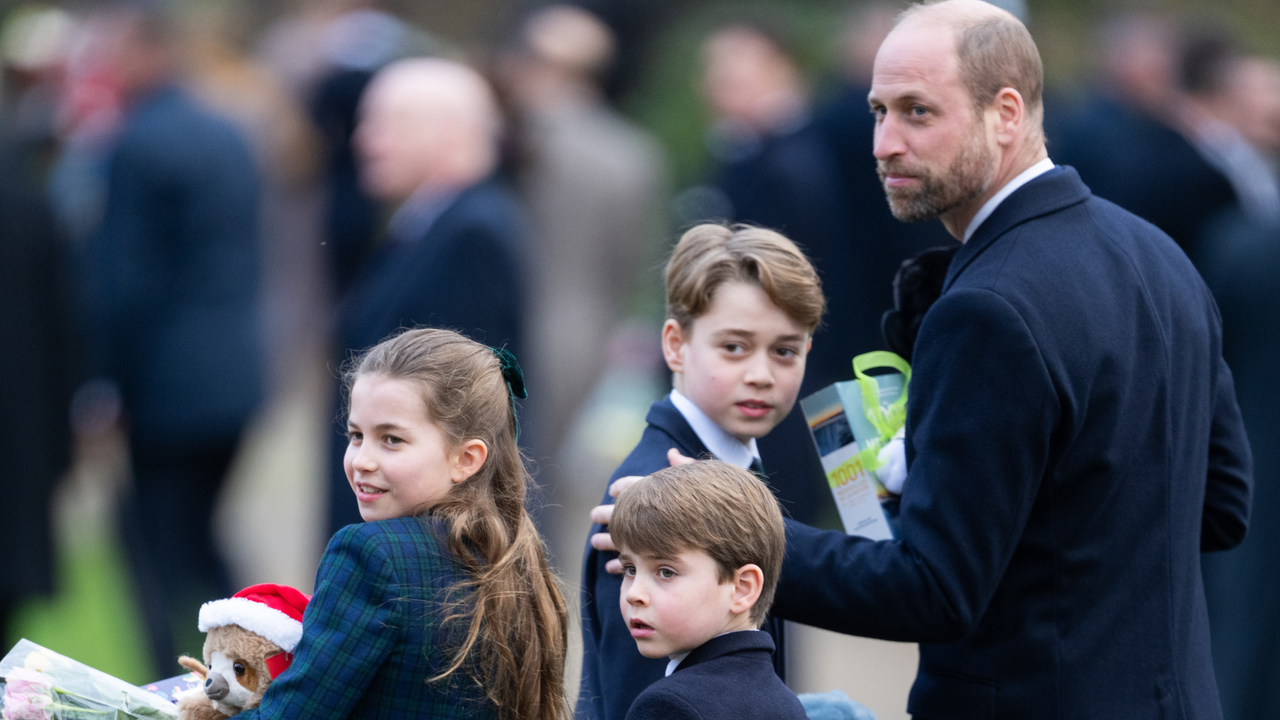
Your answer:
<point x="1240" y="260"/>
<point x="36" y="370"/>
<point x="1239" y="257"/>
<point x="175" y="273"/>
<point x="427" y="144"/>
<point x="1125" y="143"/>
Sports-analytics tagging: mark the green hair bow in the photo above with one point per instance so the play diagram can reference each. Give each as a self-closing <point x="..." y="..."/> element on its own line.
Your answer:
<point x="514" y="378"/>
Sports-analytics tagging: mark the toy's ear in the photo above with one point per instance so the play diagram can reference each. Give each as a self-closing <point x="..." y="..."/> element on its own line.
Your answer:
<point x="194" y="666"/>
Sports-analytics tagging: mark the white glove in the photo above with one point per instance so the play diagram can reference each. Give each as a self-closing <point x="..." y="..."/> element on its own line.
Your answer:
<point x="893" y="464"/>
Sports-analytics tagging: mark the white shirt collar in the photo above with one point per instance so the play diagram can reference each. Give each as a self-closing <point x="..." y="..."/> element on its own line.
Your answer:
<point x="990" y="206"/>
<point x="724" y="446"/>
<point x="678" y="658"/>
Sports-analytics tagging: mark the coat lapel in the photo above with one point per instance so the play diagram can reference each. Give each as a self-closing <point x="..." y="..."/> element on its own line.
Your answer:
<point x="664" y="416"/>
<point x="1059" y="188"/>
<point x="732" y="642"/>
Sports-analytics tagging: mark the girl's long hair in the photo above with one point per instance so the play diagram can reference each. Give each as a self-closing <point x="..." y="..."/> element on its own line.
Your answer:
<point x="517" y="620"/>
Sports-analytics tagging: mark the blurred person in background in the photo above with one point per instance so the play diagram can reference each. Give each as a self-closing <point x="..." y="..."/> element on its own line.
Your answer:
<point x="427" y="143"/>
<point x="1224" y="89"/>
<point x="357" y="42"/>
<point x="295" y="293"/>
<point x="34" y="43"/>
<point x="37" y="372"/>
<point x="1240" y="261"/>
<point x="1256" y="82"/>
<point x="1239" y="257"/>
<point x="174" y="310"/>
<point x="1124" y="141"/>
<point x="776" y="171"/>
<point x="593" y="183"/>
<point x="36" y="363"/>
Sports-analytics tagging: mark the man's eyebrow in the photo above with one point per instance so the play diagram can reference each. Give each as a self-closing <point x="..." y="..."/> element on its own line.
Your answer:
<point x="872" y="100"/>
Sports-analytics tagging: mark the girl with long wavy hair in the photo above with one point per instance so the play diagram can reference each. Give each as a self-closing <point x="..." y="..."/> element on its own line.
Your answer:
<point x="441" y="604"/>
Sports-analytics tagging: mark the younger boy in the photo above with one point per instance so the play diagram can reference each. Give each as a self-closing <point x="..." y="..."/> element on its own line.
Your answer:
<point x="701" y="547"/>
<point x="742" y="305"/>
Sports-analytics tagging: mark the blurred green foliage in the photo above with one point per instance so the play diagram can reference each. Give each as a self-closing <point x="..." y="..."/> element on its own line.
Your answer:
<point x="93" y="618"/>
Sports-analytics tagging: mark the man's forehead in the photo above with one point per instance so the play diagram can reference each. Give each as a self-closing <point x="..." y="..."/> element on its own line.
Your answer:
<point x="916" y="59"/>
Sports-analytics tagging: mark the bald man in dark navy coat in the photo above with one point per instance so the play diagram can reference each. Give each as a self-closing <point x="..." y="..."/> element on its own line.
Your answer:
<point x="1073" y="438"/>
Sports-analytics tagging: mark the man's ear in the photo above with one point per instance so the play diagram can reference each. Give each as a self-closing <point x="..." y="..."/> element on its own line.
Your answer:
<point x="748" y="583"/>
<point x="1011" y="115"/>
<point x="673" y="341"/>
<point x="468" y="459"/>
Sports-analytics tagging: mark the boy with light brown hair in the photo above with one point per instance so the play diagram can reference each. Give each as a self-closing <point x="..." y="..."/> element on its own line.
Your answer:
<point x="701" y="547"/>
<point x="742" y="305"/>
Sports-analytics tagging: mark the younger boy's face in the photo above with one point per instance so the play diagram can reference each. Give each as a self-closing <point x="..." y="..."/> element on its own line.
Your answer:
<point x="740" y="362"/>
<point x="673" y="605"/>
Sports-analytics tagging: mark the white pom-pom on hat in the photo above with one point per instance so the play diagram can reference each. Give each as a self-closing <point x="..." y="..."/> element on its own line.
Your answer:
<point x="272" y="611"/>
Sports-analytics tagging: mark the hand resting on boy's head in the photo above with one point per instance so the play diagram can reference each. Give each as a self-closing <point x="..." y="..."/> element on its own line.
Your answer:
<point x="602" y="514"/>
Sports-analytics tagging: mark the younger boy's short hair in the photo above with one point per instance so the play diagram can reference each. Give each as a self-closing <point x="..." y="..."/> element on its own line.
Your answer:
<point x="708" y="505"/>
<point x="711" y="254"/>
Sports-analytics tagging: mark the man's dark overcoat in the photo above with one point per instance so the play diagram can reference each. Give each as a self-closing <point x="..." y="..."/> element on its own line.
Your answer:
<point x="1073" y="445"/>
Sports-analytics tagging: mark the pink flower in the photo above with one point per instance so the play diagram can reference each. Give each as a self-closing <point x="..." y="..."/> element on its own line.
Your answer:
<point x="23" y="680"/>
<point x="27" y="695"/>
<point x="27" y="707"/>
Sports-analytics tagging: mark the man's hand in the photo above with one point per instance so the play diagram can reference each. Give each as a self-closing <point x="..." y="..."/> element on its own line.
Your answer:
<point x="602" y="514"/>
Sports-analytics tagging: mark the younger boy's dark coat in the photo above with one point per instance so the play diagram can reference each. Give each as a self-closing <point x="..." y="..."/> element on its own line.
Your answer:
<point x="614" y="672"/>
<point x="729" y="676"/>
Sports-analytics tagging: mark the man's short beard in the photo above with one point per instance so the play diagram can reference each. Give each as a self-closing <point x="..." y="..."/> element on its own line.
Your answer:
<point x="968" y="177"/>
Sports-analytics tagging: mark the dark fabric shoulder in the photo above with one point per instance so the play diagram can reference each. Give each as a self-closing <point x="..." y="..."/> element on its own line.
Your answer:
<point x="660" y="704"/>
<point x="422" y="539"/>
<point x="666" y="428"/>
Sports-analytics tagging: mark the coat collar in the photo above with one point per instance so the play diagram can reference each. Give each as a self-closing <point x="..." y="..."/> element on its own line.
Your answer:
<point x="1055" y="190"/>
<point x="664" y="416"/>
<point x="728" y="644"/>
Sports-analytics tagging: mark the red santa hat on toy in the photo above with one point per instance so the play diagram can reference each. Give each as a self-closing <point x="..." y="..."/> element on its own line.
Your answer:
<point x="272" y="611"/>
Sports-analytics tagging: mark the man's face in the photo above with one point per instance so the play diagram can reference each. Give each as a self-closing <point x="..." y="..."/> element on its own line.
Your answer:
<point x="741" y="362"/>
<point x="396" y="141"/>
<point x="932" y="153"/>
<point x="742" y="75"/>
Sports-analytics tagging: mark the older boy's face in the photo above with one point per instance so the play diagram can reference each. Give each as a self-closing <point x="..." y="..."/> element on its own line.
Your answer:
<point x="673" y="605"/>
<point x="740" y="362"/>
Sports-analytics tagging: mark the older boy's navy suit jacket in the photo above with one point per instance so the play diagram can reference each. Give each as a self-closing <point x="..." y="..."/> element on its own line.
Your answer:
<point x="729" y="676"/>
<point x="614" y="672"/>
<point x="1073" y="445"/>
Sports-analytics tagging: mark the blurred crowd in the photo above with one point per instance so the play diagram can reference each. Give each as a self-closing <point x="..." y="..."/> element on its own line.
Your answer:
<point x="195" y="213"/>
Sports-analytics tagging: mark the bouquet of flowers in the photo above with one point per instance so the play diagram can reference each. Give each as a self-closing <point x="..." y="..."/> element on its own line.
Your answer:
<point x="40" y="684"/>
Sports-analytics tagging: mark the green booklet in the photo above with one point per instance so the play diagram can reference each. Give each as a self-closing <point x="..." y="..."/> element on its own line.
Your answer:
<point x="848" y="432"/>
